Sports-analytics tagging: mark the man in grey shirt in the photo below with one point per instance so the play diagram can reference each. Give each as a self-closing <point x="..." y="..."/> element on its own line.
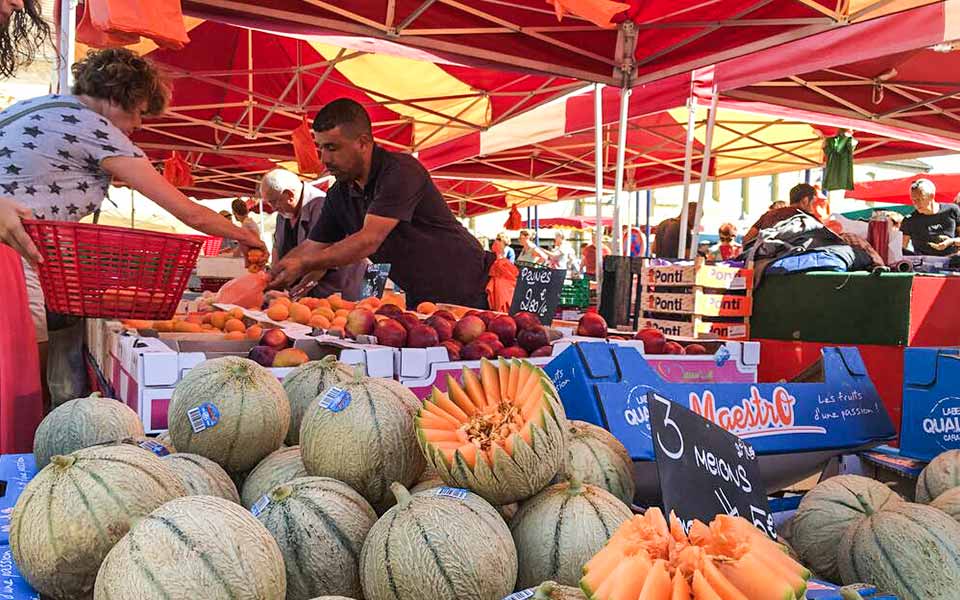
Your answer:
<point x="298" y="206"/>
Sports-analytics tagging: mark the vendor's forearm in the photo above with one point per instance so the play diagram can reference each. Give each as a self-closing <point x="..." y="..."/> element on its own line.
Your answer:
<point x="348" y="251"/>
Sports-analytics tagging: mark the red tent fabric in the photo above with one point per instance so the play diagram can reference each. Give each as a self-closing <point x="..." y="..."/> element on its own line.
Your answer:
<point x="670" y="36"/>
<point x="470" y="198"/>
<point x="897" y="191"/>
<point x="573" y="223"/>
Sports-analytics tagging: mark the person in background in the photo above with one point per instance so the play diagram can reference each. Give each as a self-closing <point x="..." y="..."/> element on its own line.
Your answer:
<point x="58" y="156"/>
<point x="23" y="32"/>
<point x="588" y="256"/>
<point x="777" y="204"/>
<point x="298" y="206"/>
<point x="667" y="242"/>
<point x="508" y="252"/>
<point x="241" y="213"/>
<point x="934" y="228"/>
<point x="728" y="247"/>
<point x="562" y="256"/>
<point x="529" y="251"/>
<point x="632" y="240"/>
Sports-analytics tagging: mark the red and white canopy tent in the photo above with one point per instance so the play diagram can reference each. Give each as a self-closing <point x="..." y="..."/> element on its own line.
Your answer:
<point x="469" y="198"/>
<point x="897" y="191"/>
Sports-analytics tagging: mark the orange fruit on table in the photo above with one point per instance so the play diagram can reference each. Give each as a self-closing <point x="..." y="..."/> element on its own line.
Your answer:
<point x="324" y="312"/>
<point x="323" y="303"/>
<point x="319" y="322"/>
<point x="163" y="326"/>
<point x="236" y="313"/>
<point x="235" y="325"/>
<point x="341" y="313"/>
<point x="278" y="311"/>
<point x="198" y="319"/>
<point x="371" y="302"/>
<point x="254" y="332"/>
<point x="310" y="303"/>
<point x="137" y="324"/>
<point x="426" y="308"/>
<point x="219" y="318"/>
<point x="187" y="327"/>
<point x="281" y="300"/>
<point x="235" y="335"/>
<point x="299" y="313"/>
<point x="338" y="322"/>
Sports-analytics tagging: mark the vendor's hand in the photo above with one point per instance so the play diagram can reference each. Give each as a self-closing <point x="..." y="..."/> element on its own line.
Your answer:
<point x="286" y="273"/>
<point x="940" y="246"/>
<point x="12" y="232"/>
<point x="250" y="240"/>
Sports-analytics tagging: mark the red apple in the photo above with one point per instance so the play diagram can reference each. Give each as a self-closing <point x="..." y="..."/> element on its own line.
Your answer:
<point x="390" y="332"/>
<point x="673" y="348"/>
<point x="445" y="314"/>
<point x="488" y="337"/>
<point x="526" y="320"/>
<point x="653" y="340"/>
<point x="390" y="310"/>
<point x="263" y="355"/>
<point x="409" y="321"/>
<point x="453" y="349"/>
<point x="592" y="325"/>
<point x="497" y="347"/>
<point x="275" y="338"/>
<point x="514" y="352"/>
<point x="476" y="351"/>
<point x="505" y="329"/>
<point x="422" y="336"/>
<point x="542" y="351"/>
<point x="360" y="321"/>
<point x="468" y="329"/>
<point x="488" y="317"/>
<point x="532" y="339"/>
<point x="442" y="326"/>
<point x="695" y="349"/>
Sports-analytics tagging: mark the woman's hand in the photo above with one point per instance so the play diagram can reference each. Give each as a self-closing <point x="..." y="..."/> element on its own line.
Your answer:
<point x="12" y="232"/>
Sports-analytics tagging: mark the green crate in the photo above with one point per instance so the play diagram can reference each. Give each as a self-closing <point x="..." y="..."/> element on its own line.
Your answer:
<point x="576" y="294"/>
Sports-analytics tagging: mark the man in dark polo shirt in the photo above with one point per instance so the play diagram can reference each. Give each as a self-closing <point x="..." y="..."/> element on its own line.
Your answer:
<point x="385" y="207"/>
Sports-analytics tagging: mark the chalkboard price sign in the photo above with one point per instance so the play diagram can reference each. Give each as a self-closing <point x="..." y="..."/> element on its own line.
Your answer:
<point x="704" y="469"/>
<point x="538" y="291"/>
<point x="375" y="280"/>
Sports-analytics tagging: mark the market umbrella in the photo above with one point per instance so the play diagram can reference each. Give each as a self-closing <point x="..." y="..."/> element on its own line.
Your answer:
<point x="667" y="36"/>
<point x="897" y="191"/>
<point x="470" y="198"/>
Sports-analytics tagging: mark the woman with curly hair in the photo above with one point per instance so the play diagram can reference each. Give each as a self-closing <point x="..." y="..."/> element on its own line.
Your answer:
<point x="23" y="32"/>
<point x="58" y="156"/>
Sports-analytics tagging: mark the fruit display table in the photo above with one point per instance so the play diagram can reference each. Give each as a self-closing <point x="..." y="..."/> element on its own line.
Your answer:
<point x="897" y="309"/>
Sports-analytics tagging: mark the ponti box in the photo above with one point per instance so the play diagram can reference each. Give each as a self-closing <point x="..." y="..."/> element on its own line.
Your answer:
<point x="931" y="402"/>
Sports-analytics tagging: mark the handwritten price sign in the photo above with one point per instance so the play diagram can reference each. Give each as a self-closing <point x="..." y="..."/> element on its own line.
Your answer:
<point x="538" y="292"/>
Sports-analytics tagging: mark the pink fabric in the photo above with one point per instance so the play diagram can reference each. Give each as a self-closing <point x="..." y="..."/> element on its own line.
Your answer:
<point x="897" y="191"/>
<point x="21" y="399"/>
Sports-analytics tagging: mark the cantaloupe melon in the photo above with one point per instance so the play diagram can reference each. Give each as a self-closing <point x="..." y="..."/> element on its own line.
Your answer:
<point x="164" y="438"/>
<point x="551" y="590"/>
<point x="319" y="524"/>
<point x="442" y="544"/>
<point x="499" y="434"/>
<point x="231" y="410"/>
<point x="827" y="511"/>
<point x="144" y="442"/>
<point x="429" y="479"/>
<point x="281" y="466"/>
<point x="949" y="502"/>
<point x="82" y="423"/>
<point x="558" y="530"/>
<point x="305" y="383"/>
<point x="362" y="434"/>
<point x="75" y="509"/>
<point x="201" y="476"/>
<point x="194" y="547"/>
<point x="598" y="458"/>
<point x="942" y="474"/>
<point x="651" y="558"/>
<point x="911" y="550"/>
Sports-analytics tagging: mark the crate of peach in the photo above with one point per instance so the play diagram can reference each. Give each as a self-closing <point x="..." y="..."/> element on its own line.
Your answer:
<point x="112" y="272"/>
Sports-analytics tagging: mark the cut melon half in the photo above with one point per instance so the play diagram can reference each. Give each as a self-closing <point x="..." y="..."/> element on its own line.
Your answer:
<point x="498" y="433"/>
<point x="728" y="559"/>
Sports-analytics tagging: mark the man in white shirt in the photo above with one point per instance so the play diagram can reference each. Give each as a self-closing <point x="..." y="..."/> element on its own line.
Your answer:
<point x="298" y="206"/>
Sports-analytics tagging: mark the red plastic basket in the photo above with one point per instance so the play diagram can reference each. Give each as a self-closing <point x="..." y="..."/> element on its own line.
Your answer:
<point x="212" y="246"/>
<point x="112" y="272"/>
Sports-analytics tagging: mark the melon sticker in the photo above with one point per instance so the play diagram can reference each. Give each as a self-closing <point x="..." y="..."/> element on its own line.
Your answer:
<point x="449" y="492"/>
<point x="155" y="447"/>
<point x="335" y="399"/>
<point x="203" y="417"/>
<point x="522" y="595"/>
<point x="259" y="505"/>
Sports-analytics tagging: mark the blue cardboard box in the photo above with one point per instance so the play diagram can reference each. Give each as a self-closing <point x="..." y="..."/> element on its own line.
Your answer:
<point x="931" y="402"/>
<point x="820" y="590"/>
<point x="607" y="385"/>
<point x="16" y="470"/>
<point x="12" y="584"/>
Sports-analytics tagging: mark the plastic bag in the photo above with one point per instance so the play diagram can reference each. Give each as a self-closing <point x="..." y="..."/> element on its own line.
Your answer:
<point x="177" y="171"/>
<point x="246" y="291"/>
<point x="159" y="20"/>
<point x="305" y="149"/>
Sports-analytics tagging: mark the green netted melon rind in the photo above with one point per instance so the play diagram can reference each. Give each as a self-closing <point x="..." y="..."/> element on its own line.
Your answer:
<point x="949" y="502"/>
<point x="368" y="444"/>
<point x="82" y="423"/>
<point x="254" y="412"/>
<point x="827" y="511"/>
<point x="279" y="467"/>
<point x="441" y="548"/>
<point x="75" y="509"/>
<point x="308" y="381"/>
<point x="320" y="528"/>
<point x="940" y="475"/>
<point x="194" y="547"/>
<point x="201" y="476"/>
<point x="557" y="531"/>
<point x="598" y="458"/>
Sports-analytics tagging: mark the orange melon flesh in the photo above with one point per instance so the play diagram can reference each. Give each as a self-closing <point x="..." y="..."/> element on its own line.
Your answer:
<point x="490" y="379"/>
<point x="503" y="374"/>
<point x="460" y="397"/>
<point x="702" y="589"/>
<point x="514" y="379"/>
<point x="796" y="582"/>
<point x="657" y="584"/>
<point x="438" y="412"/>
<point x="444" y="403"/>
<point x="751" y="577"/>
<point x="680" y="590"/>
<point x="474" y="388"/>
<point x="427" y="420"/>
<point x="720" y="584"/>
<point x="626" y="581"/>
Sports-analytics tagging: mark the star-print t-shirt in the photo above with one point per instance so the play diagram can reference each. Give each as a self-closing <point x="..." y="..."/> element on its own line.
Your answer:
<point x="51" y="149"/>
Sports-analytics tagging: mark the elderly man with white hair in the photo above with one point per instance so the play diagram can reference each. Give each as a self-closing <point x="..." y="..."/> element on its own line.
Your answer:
<point x="933" y="227"/>
<point x="298" y="206"/>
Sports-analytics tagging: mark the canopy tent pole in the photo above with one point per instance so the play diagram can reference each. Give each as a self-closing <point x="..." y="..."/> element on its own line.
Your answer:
<point x="68" y="52"/>
<point x="598" y="177"/>
<point x="647" y="245"/>
<point x="621" y="159"/>
<point x="705" y="169"/>
<point x="687" y="169"/>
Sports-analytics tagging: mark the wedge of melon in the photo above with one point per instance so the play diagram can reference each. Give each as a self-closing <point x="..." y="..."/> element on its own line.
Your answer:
<point x="498" y="433"/>
<point x="652" y="558"/>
